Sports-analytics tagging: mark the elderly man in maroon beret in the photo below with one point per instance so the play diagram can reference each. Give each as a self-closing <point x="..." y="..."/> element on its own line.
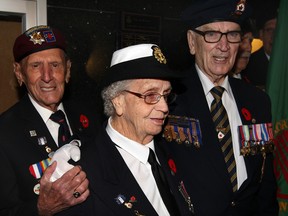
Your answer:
<point x="34" y="128"/>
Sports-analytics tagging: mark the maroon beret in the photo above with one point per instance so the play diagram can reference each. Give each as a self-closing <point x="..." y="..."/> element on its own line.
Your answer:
<point x="36" y="39"/>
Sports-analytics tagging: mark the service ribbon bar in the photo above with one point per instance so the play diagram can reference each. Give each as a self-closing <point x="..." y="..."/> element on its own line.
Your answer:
<point x="256" y="139"/>
<point x="37" y="169"/>
<point x="183" y="130"/>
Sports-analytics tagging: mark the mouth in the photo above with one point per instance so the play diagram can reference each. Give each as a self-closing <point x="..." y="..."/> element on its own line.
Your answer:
<point x="158" y="121"/>
<point x="47" y="89"/>
<point x="220" y="59"/>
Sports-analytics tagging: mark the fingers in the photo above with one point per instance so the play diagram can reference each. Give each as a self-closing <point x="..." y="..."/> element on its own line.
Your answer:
<point x="45" y="180"/>
<point x="61" y="194"/>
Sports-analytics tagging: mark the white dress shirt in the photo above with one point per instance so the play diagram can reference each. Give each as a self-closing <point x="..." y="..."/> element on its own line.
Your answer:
<point x="135" y="156"/>
<point x="45" y="114"/>
<point x="229" y="103"/>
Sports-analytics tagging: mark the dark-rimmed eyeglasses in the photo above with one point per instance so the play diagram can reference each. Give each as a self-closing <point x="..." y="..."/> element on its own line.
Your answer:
<point x="215" y="36"/>
<point x="154" y="97"/>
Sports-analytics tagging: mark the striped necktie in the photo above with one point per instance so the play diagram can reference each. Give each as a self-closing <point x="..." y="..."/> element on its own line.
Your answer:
<point x="221" y="121"/>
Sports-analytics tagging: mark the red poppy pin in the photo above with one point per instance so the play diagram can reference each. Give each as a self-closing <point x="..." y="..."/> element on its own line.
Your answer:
<point x="246" y="113"/>
<point x="132" y="199"/>
<point x="172" y="166"/>
<point x="84" y="120"/>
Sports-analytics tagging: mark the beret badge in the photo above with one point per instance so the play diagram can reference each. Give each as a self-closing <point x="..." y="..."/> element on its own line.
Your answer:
<point x="159" y="55"/>
<point x="36" y="38"/>
<point x="240" y="8"/>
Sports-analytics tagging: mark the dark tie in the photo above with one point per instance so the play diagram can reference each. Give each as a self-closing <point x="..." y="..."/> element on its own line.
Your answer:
<point x="221" y="121"/>
<point x="63" y="132"/>
<point x="162" y="185"/>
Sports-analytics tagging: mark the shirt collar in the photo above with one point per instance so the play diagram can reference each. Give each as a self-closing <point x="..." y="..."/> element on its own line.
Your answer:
<point x="137" y="150"/>
<point x="44" y="112"/>
<point x="208" y="85"/>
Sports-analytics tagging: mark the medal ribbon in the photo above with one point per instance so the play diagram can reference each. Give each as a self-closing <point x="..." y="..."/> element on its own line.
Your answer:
<point x="37" y="169"/>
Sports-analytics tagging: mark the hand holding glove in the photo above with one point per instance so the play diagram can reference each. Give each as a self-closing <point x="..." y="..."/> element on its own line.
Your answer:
<point x="63" y="155"/>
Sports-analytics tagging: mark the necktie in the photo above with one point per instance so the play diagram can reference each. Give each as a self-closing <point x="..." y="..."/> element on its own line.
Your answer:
<point x="162" y="185"/>
<point x="221" y="122"/>
<point x="63" y="132"/>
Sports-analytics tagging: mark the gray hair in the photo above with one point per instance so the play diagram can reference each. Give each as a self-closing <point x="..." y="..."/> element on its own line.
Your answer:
<point x="111" y="92"/>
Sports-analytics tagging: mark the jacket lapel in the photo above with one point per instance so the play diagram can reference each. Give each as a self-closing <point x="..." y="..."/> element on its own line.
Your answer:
<point x="202" y="112"/>
<point x="36" y="132"/>
<point x="240" y="95"/>
<point x="112" y="181"/>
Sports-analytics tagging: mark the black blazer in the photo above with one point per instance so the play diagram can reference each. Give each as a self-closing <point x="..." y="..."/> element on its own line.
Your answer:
<point x="20" y="128"/>
<point x="205" y="171"/>
<point x="110" y="177"/>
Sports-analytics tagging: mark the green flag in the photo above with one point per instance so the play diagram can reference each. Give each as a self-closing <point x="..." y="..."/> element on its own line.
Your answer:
<point x="277" y="87"/>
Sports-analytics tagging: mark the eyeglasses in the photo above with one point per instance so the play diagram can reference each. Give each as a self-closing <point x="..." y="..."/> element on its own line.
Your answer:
<point x="154" y="97"/>
<point x="215" y="36"/>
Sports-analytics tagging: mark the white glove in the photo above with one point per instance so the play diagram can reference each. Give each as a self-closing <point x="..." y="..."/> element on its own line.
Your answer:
<point x="63" y="155"/>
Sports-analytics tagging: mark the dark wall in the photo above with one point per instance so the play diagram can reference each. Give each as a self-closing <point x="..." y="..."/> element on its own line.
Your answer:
<point x="94" y="29"/>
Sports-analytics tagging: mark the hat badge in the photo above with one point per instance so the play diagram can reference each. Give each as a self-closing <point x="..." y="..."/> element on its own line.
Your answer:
<point x="36" y="38"/>
<point x="159" y="55"/>
<point x="240" y="7"/>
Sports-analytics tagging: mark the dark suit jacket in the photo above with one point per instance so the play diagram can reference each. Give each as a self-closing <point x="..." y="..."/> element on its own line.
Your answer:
<point x="205" y="171"/>
<point x="257" y="69"/>
<point x="19" y="149"/>
<point x="110" y="177"/>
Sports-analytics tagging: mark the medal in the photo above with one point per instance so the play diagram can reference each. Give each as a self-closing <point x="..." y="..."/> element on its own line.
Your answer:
<point x="255" y="139"/>
<point x="36" y="189"/>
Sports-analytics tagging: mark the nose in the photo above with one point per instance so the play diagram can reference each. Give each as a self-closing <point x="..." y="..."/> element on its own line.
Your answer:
<point x="223" y="44"/>
<point x="162" y="105"/>
<point x="47" y="75"/>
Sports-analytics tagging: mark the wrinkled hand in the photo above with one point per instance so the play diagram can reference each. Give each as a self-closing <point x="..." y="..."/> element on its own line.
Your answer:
<point x="58" y="195"/>
<point x="62" y="156"/>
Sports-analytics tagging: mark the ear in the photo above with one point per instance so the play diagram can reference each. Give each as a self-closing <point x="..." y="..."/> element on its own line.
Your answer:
<point x="118" y="103"/>
<point x="68" y="71"/>
<point x="18" y="73"/>
<point x="191" y="41"/>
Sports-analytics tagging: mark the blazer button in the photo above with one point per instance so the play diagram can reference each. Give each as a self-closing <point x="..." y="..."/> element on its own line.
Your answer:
<point x="233" y="203"/>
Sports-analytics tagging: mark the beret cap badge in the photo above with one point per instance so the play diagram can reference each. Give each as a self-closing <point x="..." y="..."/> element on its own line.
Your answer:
<point x="240" y="8"/>
<point x="36" y="38"/>
<point x="159" y="55"/>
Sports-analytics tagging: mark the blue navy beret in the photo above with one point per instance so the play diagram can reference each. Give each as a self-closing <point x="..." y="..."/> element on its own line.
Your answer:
<point x="202" y="12"/>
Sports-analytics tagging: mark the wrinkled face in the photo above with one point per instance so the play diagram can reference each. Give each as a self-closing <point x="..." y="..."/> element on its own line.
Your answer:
<point x="267" y="35"/>
<point x="136" y="119"/>
<point x="44" y="74"/>
<point x="214" y="59"/>
<point x="244" y="52"/>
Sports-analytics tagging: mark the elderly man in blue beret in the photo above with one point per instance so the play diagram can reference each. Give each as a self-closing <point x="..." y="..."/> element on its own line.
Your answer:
<point x="36" y="126"/>
<point x="220" y="127"/>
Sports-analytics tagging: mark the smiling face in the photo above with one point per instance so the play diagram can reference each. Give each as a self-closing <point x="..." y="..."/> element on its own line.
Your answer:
<point x="214" y="59"/>
<point x="136" y="119"/>
<point x="44" y="74"/>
